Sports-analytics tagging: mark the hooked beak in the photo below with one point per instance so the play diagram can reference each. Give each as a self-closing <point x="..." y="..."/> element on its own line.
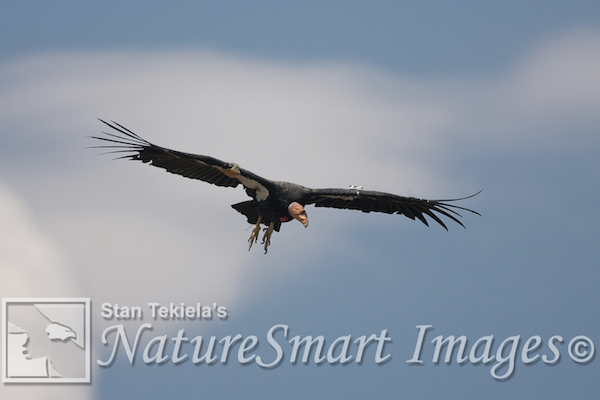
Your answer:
<point x="302" y="218"/>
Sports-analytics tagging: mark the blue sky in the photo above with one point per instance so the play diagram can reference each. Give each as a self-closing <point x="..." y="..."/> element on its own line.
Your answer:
<point x="424" y="99"/>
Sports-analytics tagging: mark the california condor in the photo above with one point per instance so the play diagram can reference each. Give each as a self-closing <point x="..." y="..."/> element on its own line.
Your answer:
<point x="273" y="202"/>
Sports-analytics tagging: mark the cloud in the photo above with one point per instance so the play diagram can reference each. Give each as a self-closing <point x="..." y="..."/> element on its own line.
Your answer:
<point x="561" y="77"/>
<point x="30" y="262"/>
<point x="308" y="120"/>
<point x="547" y="102"/>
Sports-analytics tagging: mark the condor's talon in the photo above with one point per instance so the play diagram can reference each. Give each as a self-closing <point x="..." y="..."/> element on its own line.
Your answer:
<point x="267" y="237"/>
<point x="255" y="232"/>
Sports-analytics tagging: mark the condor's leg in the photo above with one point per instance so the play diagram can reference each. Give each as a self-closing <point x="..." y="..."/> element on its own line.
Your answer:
<point x="255" y="232"/>
<point x="267" y="237"/>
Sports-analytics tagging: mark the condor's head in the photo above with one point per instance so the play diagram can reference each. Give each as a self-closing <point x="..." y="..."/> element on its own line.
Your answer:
<point x="296" y="211"/>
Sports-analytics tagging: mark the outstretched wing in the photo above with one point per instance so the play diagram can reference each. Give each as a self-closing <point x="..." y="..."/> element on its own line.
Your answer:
<point x="368" y="201"/>
<point x="194" y="166"/>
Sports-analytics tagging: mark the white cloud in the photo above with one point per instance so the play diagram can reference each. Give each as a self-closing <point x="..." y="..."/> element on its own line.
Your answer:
<point x="30" y="264"/>
<point x="314" y="122"/>
<point x="562" y="76"/>
<point x="549" y="101"/>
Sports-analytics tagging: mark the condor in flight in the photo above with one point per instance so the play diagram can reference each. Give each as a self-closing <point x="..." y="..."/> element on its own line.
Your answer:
<point x="273" y="202"/>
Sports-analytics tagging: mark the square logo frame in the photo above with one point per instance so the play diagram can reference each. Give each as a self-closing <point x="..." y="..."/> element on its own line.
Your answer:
<point x="60" y="331"/>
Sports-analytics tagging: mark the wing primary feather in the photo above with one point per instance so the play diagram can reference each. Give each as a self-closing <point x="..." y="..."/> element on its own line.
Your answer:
<point x="460" y="198"/>
<point x="124" y="131"/>
<point x="131" y="137"/>
<point x="126" y="144"/>
<point x="443" y="205"/>
<point x="421" y="218"/>
<point x="452" y="217"/>
<point x="436" y="218"/>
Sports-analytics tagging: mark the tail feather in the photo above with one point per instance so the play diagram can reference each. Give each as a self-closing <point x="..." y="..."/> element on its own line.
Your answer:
<point x="247" y="208"/>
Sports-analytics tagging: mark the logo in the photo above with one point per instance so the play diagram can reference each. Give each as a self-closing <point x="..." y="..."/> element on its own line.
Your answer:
<point x="46" y="340"/>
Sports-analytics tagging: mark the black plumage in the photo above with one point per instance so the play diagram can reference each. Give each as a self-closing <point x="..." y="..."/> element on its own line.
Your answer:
<point x="273" y="201"/>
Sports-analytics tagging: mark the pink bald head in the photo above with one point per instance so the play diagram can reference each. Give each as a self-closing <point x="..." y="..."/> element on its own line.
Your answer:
<point x="297" y="212"/>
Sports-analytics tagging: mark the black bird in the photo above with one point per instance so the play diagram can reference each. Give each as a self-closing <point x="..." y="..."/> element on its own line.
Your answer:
<point x="273" y="202"/>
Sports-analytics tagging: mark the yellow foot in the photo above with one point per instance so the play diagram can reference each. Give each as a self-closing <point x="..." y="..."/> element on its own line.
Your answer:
<point x="267" y="238"/>
<point x="255" y="232"/>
